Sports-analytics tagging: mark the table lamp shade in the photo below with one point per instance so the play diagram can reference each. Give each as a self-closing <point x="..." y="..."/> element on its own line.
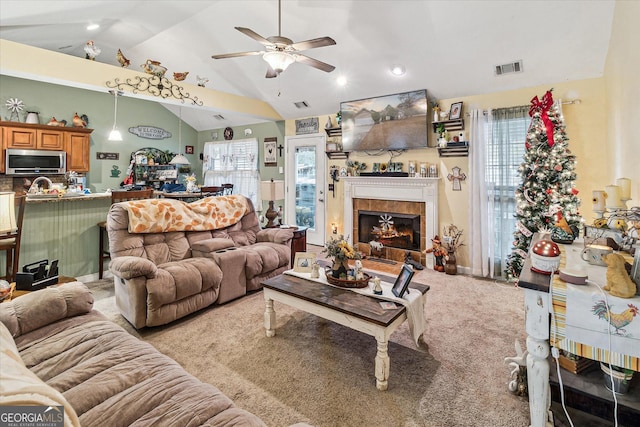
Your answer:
<point x="8" y="224"/>
<point x="272" y="190"/>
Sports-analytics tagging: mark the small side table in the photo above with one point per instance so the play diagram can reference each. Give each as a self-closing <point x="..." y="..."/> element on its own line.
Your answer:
<point x="62" y="279"/>
<point x="299" y="241"/>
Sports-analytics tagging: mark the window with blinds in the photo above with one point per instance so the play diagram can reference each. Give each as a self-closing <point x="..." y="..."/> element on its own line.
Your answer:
<point x="507" y="132"/>
<point x="233" y="162"/>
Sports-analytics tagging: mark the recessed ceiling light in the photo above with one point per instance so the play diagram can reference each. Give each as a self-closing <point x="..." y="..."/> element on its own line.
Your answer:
<point x="397" y="70"/>
<point x="92" y="27"/>
<point x="342" y="81"/>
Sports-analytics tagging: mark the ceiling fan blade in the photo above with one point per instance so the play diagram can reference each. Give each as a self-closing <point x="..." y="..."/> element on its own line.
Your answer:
<point x="313" y="43"/>
<point x="257" y="37"/>
<point x="235" y="55"/>
<point x="314" y="63"/>
<point x="271" y="73"/>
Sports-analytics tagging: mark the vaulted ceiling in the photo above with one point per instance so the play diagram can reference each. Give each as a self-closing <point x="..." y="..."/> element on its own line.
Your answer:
<point x="450" y="48"/>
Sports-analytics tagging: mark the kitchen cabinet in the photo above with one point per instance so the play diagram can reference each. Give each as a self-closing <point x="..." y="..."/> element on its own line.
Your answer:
<point x="26" y="136"/>
<point x="77" y="146"/>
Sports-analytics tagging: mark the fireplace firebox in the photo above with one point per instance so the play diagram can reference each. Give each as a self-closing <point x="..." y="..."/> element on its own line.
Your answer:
<point x="394" y="230"/>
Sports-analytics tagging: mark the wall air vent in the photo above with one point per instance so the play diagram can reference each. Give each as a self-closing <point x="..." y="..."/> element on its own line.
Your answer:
<point x="301" y="104"/>
<point x="218" y="117"/>
<point x="511" y="67"/>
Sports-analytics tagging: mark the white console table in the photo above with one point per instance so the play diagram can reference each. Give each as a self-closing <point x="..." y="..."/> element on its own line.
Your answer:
<point x="541" y="298"/>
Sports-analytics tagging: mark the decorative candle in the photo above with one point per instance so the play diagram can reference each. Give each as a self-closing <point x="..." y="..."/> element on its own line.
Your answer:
<point x="613" y="197"/>
<point x="598" y="201"/>
<point x="625" y="188"/>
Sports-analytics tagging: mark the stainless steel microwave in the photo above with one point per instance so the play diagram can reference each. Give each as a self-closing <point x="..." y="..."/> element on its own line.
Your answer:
<point x="35" y="162"/>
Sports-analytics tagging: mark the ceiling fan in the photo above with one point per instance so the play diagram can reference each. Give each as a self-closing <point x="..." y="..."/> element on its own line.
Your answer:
<point x="281" y="51"/>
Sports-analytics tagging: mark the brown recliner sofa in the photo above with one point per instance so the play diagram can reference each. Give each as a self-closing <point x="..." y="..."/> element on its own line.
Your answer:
<point x="55" y="350"/>
<point x="171" y="258"/>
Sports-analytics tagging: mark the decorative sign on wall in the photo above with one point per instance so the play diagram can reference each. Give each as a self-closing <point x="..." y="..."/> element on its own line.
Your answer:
<point x="149" y="132"/>
<point x="304" y="126"/>
<point x="107" y="156"/>
<point x="270" y="151"/>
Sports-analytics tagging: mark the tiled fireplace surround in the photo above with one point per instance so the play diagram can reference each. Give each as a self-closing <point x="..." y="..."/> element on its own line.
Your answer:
<point x="415" y="196"/>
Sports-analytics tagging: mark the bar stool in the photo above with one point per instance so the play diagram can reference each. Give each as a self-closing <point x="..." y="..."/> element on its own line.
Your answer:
<point x="11" y="230"/>
<point x="228" y="189"/>
<point x="116" y="196"/>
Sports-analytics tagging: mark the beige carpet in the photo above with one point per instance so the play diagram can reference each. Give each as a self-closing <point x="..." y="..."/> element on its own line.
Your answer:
<point x="322" y="373"/>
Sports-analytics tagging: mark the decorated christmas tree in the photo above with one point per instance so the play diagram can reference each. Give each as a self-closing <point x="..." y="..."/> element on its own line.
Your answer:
<point x="546" y="201"/>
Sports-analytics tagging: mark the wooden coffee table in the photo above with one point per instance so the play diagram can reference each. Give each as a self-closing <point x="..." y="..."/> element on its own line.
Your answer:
<point x="359" y="312"/>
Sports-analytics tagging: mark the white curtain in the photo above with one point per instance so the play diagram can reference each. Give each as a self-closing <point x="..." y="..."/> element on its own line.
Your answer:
<point x="481" y="223"/>
<point x="234" y="162"/>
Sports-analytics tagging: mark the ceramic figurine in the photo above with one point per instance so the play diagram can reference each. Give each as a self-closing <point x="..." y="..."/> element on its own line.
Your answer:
<point x="377" y="289"/>
<point x="52" y="122"/>
<point x="359" y="273"/>
<point x="122" y="60"/>
<point x="80" y="121"/>
<point x="201" y="81"/>
<point x="180" y="76"/>
<point x="315" y="270"/>
<point x="154" y="68"/>
<point x="91" y="50"/>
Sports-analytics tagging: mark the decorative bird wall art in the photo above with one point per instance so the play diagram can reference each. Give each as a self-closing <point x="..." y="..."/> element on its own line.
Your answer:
<point x="91" y="50"/>
<point x="122" y="60"/>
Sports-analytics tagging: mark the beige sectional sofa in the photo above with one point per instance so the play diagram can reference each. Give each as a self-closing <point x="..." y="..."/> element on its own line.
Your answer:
<point x="171" y="258"/>
<point x="55" y="350"/>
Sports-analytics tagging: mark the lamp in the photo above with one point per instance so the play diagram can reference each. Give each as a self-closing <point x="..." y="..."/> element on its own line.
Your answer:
<point x="272" y="190"/>
<point x="115" y="134"/>
<point x="179" y="159"/>
<point x="279" y="61"/>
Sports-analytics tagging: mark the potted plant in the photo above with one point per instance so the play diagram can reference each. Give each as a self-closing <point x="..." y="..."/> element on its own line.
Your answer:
<point x="617" y="376"/>
<point x="342" y="252"/>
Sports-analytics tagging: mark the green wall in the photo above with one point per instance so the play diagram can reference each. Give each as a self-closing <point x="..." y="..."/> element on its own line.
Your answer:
<point x="62" y="102"/>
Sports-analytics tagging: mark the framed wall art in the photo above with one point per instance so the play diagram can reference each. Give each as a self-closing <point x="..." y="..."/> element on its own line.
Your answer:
<point x="270" y="151"/>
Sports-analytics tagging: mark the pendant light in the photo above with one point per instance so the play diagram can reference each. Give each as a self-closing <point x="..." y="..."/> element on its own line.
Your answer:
<point x="179" y="159"/>
<point x="115" y="134"/>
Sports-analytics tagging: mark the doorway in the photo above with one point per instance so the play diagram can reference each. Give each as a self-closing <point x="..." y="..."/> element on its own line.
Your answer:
<point x="305" y="185"/>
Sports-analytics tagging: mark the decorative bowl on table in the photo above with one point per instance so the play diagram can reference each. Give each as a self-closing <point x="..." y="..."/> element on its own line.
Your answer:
<point x="545" y="257"/>
<point x="347" y="283"/>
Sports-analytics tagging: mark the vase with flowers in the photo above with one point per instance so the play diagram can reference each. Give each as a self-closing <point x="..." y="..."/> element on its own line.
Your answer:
<point x="341" y="252"/>
<point x="451" y="242"/>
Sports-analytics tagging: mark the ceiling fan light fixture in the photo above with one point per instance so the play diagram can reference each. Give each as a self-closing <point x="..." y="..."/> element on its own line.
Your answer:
<point x="279" y="61"/>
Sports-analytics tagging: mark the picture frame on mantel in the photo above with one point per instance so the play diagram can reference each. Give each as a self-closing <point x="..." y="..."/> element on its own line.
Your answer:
<point x="270" y="158"/>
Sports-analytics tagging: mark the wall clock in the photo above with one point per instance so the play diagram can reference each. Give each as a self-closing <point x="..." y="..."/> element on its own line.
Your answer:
<point x="228" y="133"/>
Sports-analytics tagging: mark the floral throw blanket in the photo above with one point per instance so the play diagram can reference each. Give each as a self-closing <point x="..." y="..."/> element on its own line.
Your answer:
<point x="165" y="215"/>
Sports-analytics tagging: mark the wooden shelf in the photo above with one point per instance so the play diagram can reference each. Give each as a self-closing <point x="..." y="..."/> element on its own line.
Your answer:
<point x="455" y="149"/>
<point x="449" y="125"/>
<point x="333" y="131"/>
<point x="337" y="154"/>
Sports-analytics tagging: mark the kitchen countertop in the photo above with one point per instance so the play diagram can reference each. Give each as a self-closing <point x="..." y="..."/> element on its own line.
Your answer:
<point x="80" y="198"/>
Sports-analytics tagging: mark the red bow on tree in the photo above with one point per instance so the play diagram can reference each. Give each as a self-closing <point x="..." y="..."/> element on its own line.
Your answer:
<point x="543" y="106"/>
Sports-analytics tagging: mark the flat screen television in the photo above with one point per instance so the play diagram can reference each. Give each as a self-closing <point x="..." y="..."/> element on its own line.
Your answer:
<point x="391" y="122"/>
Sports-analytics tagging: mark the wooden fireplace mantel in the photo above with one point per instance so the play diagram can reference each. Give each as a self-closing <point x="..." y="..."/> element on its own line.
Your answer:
<point x="420" y="190"/>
